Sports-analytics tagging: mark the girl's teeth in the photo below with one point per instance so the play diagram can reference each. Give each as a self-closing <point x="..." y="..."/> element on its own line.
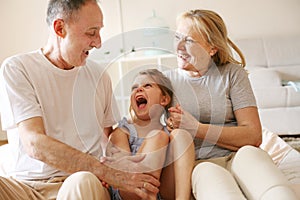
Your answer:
<point x="182" y="56"/>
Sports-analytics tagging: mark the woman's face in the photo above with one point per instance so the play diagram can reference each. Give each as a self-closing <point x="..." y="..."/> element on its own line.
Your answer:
<point x="192" y="51"/>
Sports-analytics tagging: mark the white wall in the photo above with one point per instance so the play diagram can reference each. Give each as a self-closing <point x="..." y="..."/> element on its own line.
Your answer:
<point x="243" y="18"/>
<point x="23" y="25"/>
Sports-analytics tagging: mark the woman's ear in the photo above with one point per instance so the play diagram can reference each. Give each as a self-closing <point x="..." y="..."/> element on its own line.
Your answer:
<point x="59" y="26"/>
<point x="165" y="100"/>
<point x="213" y="51"/>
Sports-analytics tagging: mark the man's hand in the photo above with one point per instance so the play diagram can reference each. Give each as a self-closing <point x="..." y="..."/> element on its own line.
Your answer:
<point x="127" y="174"/>
<point x="114" y="153"/>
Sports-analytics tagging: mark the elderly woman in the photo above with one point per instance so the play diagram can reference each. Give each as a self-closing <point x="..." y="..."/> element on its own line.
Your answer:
<point x="215" y="103"/>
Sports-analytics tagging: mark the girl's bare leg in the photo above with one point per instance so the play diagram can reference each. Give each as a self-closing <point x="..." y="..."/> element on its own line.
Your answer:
<point x="179" y="172"/>
<point x="118" y="139"/>
<point x="155" y="147"/>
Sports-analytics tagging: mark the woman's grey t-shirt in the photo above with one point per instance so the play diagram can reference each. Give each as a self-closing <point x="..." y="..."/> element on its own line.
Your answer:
<point x="212" y="99"/>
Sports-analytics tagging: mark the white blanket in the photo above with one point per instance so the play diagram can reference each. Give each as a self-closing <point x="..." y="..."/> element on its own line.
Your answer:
<point x="284" y="156"/>
<point x="275" y="146"/>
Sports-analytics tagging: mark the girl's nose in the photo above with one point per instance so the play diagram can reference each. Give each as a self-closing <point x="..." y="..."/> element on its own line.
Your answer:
<point x="140" y="89"/>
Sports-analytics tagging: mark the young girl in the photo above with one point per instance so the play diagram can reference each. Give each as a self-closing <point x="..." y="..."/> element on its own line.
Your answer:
<point x="151" y="96"/>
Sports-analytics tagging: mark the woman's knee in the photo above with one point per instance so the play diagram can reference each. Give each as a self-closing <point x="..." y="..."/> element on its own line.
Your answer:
<point x="210" y="181"/>
<point x="252" y="164"/>
<point x="249" y="158"/>
<point x="207" y="170"/>
<point x="250" y="154"/>
<point x="249" y="150"/>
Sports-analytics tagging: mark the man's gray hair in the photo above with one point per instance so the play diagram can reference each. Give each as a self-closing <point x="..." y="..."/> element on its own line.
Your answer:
<point x="64" y="9"/>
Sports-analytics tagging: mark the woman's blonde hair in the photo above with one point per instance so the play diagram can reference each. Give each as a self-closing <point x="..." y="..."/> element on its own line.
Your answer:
<point x="212" y="29"/>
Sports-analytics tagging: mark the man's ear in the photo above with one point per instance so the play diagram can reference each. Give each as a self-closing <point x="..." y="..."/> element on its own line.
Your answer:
<point x="59" y="27"/>
<point x="165" y="100"/>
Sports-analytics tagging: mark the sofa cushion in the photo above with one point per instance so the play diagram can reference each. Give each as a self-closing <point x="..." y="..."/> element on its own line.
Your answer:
<point x="265" y="78"/>
<point x="281" y="120"/>
<point x="271" y="97"/>
<point x="282" y="51"/>
<point x="254" y="52"/>
<point x="288" y="73"/>
<point x="293" y="97"/>
<point x="271" y="62"/>
<point x="271" y="51"/>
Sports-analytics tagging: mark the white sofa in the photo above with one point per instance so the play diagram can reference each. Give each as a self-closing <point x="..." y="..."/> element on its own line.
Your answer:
<point x="271" y="62"/>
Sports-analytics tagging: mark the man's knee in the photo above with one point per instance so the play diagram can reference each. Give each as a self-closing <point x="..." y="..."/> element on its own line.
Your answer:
<point x="79" y="184"/>
<point x="83" y="179"/>
<point x="83" y="176"/>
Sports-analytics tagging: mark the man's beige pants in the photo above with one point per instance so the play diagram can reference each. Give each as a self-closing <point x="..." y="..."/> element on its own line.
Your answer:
<point x="80" y="185"/>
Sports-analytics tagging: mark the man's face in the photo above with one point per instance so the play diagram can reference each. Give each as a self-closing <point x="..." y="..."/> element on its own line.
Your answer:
<point x="81" y="35"/>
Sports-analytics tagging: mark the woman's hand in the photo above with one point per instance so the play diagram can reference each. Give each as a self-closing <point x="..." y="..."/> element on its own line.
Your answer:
<point x="182" y="119"/>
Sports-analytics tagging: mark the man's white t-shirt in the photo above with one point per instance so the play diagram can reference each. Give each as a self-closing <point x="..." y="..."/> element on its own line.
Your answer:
<point x="75" y="106"/>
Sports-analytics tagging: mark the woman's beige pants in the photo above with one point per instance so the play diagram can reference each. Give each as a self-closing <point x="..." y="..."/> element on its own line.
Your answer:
<point x="249" y="174"/>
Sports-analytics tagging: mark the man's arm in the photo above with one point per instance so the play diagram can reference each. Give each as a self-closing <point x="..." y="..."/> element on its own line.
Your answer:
<point x="46" y="149"/>
<point x="65" y="158"/>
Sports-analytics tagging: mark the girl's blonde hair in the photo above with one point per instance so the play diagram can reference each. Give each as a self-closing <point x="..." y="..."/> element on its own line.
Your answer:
<point x="212" y="29"/>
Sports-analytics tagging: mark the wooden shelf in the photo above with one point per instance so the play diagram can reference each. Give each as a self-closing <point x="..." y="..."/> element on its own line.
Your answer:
<point x="2" y="142"/>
